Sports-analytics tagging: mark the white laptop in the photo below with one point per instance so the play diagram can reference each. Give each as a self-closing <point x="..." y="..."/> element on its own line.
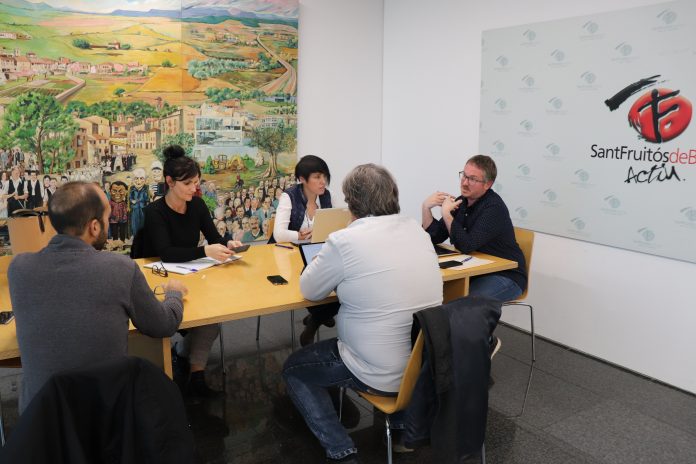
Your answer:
<point x="328" y="220"/>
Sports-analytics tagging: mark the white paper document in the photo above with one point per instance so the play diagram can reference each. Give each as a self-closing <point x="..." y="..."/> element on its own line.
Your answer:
<point x="190" y="267"/>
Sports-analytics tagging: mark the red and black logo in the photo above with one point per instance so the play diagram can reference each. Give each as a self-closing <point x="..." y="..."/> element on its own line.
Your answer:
<point x="658" y="115"/>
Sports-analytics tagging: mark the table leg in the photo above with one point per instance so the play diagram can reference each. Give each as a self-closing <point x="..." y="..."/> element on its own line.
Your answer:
<point x="156" y="350"/>
<point x="454" y="289"/>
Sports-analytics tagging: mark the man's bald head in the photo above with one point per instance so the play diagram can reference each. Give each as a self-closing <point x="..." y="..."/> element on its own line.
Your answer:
<point x="74" y="205"/>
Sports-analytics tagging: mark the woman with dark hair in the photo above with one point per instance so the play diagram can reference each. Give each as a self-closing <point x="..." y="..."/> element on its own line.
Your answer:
<point x="172" y="229"/>
<point x="294" y="221"/>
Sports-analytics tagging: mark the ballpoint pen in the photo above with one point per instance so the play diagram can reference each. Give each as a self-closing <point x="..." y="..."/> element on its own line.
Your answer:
<point x="187" y="268"/>
<point x="283" y="246"/>
<point x="467" y="259"/>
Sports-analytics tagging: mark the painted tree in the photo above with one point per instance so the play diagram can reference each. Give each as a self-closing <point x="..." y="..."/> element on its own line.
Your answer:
<point x="34" y="121"/>
<point x="273" y="140"/>
<point x="119" y="91"/>
<point x="183" y="139"/>
<point x="209" y="168"/>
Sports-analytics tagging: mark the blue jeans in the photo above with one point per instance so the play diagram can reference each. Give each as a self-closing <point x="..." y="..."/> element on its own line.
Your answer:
<point x="309" y="373"/>
<point x="494" y="286"/>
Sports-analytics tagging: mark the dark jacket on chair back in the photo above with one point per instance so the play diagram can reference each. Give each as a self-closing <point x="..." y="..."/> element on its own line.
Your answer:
<point x="124" y="411"/>
<point x="450" y="401"/>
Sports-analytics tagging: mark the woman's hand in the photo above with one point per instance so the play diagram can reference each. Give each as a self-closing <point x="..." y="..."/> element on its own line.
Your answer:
<point x="217" y="251"/>
<point x="304" y="234"/>
<point x="232" y="244"/>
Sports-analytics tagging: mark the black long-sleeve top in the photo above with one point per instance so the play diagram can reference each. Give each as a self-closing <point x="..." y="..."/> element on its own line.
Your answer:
<point x="486" y="227"/>
<point x="172" y="236"/>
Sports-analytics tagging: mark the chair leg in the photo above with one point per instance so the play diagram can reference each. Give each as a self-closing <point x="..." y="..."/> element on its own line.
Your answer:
<point x="292" y="330"/>
<point x="258" y="327"/>
<point x="526" y="391"/>
<point x="222" y="350"/>
<point x="389" y="438"/>
<point x="531" y="324"/>
<point x="531" y="364"/>
<point x="483" y="453"/>
<point x="341" y="392"/>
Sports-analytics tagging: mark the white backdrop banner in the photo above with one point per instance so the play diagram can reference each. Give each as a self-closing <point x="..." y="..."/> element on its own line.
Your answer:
<point x="589" y="122"/>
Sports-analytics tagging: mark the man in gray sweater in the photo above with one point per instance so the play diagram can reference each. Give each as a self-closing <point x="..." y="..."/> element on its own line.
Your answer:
<point x="72" y="302"/>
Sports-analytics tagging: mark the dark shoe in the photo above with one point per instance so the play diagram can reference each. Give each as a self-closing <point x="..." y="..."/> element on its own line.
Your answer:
<point x="307" y="336"/>
<point x="352" y="458"/>
<point x="328" y="323"/>
<point x="494" y="345"/>
<point x="199" y="389"/>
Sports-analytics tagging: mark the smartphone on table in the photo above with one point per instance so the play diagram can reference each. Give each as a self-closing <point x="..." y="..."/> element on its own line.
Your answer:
<point x="6" y="317"/>
<point x="276" y="280"/>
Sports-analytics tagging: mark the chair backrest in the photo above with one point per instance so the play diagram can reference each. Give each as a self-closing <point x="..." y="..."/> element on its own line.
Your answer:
<point x="525" y="239"/>
<point x="29" y="233"/>
<point x="271" y="224"/>
<point x="408" y="381"/>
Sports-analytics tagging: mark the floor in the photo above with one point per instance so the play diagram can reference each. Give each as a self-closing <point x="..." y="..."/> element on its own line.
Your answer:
<point x="579" y="410"/>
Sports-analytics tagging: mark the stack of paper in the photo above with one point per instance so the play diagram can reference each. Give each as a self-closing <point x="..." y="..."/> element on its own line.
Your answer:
<point x="190" y="267"/>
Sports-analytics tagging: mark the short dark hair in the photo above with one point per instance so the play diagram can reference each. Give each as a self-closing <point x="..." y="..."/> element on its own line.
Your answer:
<point x="73" y="206"/>
<point x="370" y="190"/>
<point x="310" y="164"/>
<point x="486" y="164"/>
<point x="177" y="165"/>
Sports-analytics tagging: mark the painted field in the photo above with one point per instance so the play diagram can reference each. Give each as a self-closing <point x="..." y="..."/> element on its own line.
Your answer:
<point x="170" y="80"/>
<point x="102" y="89"/>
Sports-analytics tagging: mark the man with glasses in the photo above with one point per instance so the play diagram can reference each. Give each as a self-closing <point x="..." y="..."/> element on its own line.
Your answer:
<point x="73" y="302"/>
<point x="478" y="220"/>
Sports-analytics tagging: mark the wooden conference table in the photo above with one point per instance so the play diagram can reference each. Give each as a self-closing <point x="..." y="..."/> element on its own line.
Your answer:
<point x="236" y="291"/>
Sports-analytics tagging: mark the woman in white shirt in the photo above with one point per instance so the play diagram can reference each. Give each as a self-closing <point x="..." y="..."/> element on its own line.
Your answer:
<point x="295" y="220"/>
<point x="297" y="205"/>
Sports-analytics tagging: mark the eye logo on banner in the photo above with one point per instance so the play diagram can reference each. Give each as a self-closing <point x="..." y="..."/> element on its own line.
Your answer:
<point x="658" y="115"/>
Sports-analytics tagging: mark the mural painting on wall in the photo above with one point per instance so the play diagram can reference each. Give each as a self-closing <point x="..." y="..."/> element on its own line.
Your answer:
<point x="95" y="92"/>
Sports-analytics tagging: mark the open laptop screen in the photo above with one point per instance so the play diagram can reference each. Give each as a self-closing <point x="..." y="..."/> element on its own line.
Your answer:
<point x="308" y="251"/>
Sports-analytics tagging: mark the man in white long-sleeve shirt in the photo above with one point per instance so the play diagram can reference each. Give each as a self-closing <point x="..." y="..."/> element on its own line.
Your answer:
<point x="383" y="268"/>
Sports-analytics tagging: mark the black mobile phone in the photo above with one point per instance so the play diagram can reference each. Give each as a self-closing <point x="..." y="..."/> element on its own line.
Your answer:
<point x="6" y="317"/>
<point x="239" y="249"/>
<point x="448" y="264"/>
<point x="276" y="280"/>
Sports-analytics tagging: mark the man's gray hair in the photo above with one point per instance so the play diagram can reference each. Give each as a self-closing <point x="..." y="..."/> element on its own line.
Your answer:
<point x="370" y="190"/>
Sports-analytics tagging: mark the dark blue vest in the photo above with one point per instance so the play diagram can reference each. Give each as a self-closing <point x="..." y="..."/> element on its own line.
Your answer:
<point x="299" y="206"/>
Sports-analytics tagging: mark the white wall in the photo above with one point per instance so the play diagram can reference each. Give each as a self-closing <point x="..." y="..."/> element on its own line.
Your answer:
<point x="340" y="84"/>
<point x="629" y="308"/>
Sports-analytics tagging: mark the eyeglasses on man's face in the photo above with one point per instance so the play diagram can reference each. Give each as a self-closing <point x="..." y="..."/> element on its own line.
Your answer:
<point x="471" y="179"/>
<point x="158" y="269"/>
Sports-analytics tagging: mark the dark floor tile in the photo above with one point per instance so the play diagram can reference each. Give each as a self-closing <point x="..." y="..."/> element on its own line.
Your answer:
<point x="550" y="398"/>
<point x="526" y="447"/>
<point x="651" y="398"/>
<point x="616" y="434"/>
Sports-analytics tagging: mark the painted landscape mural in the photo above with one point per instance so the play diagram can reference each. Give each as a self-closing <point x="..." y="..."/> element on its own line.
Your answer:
<point x="95" y="90"/>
